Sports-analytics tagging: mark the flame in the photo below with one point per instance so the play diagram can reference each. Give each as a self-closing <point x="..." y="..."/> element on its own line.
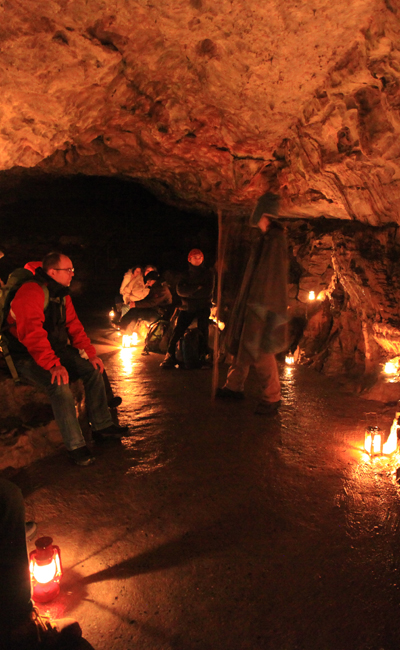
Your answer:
<point x="311" y="295"/>
<point x="391" y="367"/>
<point x="111" y="313"/>
<point x="46" y="572"/>
<point x="373" y="443"/>
<point x="289" y="359"/>
<point x="390" y="445"/>
<point x="130" y="340"/>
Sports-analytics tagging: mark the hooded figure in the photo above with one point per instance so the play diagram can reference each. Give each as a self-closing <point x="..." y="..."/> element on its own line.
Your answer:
<point x="257" y="327"/>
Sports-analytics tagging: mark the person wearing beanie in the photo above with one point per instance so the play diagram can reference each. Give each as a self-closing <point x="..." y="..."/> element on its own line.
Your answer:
<point x="151" y="307"/>
<point x="257" y="326"/>
<point x="195" y="288"/>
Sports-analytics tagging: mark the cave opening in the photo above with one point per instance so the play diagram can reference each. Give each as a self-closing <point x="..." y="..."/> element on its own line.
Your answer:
<point x="105" y="224"/>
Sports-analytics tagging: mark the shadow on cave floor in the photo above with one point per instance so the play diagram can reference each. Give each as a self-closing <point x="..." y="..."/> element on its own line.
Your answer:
<point x="214" y="528"/>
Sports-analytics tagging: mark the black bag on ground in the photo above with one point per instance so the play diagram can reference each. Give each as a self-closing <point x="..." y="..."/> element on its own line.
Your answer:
<point x="156" y="339"/>
<point x="188" y="349"/>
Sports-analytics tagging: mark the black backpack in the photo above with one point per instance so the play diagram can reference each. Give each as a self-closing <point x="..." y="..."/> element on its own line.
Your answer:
<point x="157" y="337"/>
<point x="188" y="349"/>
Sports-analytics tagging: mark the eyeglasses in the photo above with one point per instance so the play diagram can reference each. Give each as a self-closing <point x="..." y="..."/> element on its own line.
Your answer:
<point x="67" y="270"/>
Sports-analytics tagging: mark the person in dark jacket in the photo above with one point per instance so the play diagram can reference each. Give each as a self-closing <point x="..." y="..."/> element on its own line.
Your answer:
<point x="22" y="627"/>
<point x="45" y="346"/>
<point x="195" y="288"/>
<point x="150" y="308"/>
<point x="257" y="326"/>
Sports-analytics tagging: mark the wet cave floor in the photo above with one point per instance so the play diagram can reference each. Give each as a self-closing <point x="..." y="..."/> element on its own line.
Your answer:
<point x="213" y="528"/>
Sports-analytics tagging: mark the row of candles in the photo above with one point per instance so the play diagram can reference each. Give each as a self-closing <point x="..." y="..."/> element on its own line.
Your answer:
<point x="45" y="561"/>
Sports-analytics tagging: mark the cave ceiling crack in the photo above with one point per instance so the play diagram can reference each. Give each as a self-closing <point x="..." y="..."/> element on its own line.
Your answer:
<point x="238" y="157"/>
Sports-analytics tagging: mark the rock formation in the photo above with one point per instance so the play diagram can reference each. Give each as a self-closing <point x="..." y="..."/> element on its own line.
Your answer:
<point x="209" y="105"/>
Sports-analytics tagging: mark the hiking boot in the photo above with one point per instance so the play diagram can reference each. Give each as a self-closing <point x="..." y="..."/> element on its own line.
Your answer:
<point x="169" y="362"/>
<point x="30" y="529"/>
<point x="82" y="456"/>
<point x="113" y="432"/>
<point x="267" y="408"/>
<point x="228" y="394"/>
<point x="40" y="631"/>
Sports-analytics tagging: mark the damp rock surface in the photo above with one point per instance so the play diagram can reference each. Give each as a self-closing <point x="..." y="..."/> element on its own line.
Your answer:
<point x="208" y="105"/>
<point x="212" y="527"/>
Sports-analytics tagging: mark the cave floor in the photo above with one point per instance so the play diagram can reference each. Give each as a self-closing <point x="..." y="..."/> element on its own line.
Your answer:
<point x="215" y="528"/>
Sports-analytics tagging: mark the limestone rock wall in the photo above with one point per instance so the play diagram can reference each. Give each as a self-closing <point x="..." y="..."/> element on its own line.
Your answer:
<point x="353" y="325"/>
<point x="207" y="104"/>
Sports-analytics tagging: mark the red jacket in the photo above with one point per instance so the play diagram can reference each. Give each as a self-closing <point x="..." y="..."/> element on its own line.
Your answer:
<point x="26" y="320"/>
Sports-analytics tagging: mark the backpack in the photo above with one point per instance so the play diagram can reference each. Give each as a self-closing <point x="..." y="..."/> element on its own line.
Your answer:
<point x="157" y="337"/>
<point x="188" y="349"/>
<point x="15" y="280"/>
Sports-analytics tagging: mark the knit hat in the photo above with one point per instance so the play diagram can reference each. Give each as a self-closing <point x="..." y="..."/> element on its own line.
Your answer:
<point x="152" y="275"/>
<point x="195" y="251"/>
<point x="267" y="203"/>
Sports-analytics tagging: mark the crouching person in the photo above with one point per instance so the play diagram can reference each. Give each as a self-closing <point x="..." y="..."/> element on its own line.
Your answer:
<point x="44" y="343"/>
<point x="150" y="308"/>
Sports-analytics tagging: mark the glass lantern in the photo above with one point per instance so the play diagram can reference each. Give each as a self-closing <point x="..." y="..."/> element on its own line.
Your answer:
<point x="45" y="570"/>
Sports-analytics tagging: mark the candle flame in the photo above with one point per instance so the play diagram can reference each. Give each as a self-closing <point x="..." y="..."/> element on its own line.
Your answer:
<point x="391" y="367"/>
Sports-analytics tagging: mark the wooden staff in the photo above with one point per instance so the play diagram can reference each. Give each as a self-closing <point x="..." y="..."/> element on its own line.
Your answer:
<point x="220" y="266"/>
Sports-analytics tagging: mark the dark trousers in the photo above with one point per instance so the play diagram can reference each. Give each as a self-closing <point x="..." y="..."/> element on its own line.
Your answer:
<point x="15" y="588"/>
<point x="62" y="399"/>
<point x="185" y="319"/>
<point x="128" y="322"/>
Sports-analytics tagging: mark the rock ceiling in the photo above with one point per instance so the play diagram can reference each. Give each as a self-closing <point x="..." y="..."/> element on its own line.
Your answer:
<point x="209" y="104"/>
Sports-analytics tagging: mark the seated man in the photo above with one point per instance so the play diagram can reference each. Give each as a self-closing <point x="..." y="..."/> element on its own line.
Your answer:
<point x="195" y="288"/>
<point x="150" y="308"/>
<point x="44" y="345"/>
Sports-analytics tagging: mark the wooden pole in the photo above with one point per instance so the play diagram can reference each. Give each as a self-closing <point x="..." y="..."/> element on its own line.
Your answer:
<point x="220" y="266"/>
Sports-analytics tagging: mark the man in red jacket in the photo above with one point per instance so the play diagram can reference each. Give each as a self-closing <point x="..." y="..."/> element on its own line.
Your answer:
<point x="45" y="344"/>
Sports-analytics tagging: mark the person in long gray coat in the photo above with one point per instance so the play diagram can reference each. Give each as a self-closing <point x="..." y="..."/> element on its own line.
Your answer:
<point x="257" y="327"/>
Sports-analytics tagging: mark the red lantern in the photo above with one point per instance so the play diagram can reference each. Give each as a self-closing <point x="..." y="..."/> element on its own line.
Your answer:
<point x="45" y="569"/>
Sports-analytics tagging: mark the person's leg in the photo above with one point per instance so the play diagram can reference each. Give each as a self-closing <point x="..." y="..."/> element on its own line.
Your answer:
<point x="15" y="589"/>
<point x="236" y="377"/>
<point x="203" y="317"/>
<point x="112" y="400"/>
<point x="182" y="323"/>
<point x="149" y="315"/>
<point x="184" y="320"/>
<point x="267" y="371"/>
<point x="95" y="394"/>
<point x="129" y="319"/>
<point x="61" y="399"/>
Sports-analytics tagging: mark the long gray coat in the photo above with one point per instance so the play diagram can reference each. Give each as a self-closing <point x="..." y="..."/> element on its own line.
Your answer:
<point x="258" y="321"/>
